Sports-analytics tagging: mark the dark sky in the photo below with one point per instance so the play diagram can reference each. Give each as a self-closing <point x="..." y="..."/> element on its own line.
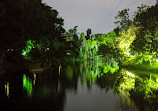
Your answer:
<point x="99" y="15"/>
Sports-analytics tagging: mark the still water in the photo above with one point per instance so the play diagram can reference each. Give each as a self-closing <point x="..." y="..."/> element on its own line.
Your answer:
<point x="70" y="87"/>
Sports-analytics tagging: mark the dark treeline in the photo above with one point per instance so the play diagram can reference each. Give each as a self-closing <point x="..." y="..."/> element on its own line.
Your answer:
<point x="24" y="20"/>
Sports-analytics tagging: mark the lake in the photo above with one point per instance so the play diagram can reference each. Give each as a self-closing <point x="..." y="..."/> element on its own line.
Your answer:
<point x="70" y="87"/>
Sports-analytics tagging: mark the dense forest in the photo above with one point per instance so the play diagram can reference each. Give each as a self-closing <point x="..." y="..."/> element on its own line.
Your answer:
<point x="33" y="37"/>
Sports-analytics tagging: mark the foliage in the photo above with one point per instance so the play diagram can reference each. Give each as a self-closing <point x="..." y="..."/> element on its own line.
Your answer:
<point x="124" y="21"/>
<point x="145" y="57"/>
<point x="28" y="48"/>
<point x="30" y="20"/>
<point x="111" y="65"/>
<point x="124" y="40"/>
<point x="106" y="39"/>
<point x="89" y="48"/>
<point x="73" y="43"/>
<point x="146" y="19"/>
<point x="110" y="69"/>
<point x="139" y="34"/>
<point x="71" y="35"/>
<point x="83" y="47"/>
<point x="92" y="48"/>
<point x="82" y="36"/>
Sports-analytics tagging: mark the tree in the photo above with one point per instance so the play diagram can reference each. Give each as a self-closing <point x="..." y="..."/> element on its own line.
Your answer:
<point x="124" y="40"/>
<point x="147" y="20"/>
<point x="25" y="19"/>
<point x="124" y="21"/>
<point x="144" y="36"/>
<point x="73" y="42"/>
<point x="72" y="34"/>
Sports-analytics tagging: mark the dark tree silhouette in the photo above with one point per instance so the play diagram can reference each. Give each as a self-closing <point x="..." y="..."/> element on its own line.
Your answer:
<point x="23" y="20"/>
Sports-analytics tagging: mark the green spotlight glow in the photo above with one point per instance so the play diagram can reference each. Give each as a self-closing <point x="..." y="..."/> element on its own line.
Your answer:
<point x="125" y="40"/>
<point x="27" y="85"/>
<point x="28" y="48"/>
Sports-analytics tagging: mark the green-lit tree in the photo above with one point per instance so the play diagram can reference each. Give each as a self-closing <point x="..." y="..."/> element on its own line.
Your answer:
<point x="144" y="28"/>
<point x="146" y="19"/>
<point x="124" y="40"/>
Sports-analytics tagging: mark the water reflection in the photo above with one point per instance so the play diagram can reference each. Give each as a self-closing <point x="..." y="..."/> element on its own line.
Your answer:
<point x="121" y="82"/>
<point x="90" y="79"/>
<point x="127" y="83"/>
<point x="92" y="70"/>
<point x="128" y="80"/>
<point x="7" y="88"/>
<point x="70" y="87"/>
<point x="27" y="84"/>
<point x="34" y="79"/>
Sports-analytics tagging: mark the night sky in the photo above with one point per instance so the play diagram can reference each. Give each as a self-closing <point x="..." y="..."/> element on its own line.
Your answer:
<point x="99" y="15"/>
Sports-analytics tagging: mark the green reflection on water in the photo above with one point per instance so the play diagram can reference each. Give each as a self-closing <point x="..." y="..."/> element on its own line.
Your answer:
<point x="27" y="84"/>
<point x="110" y="69"/>
<point x="128" y="82"/>
<point x="60" y="67"/>
<point x="138" y="87"/>
<point x="146" y="89"/>
<point x="90" y="71"/>
<point x="69" y="72"/>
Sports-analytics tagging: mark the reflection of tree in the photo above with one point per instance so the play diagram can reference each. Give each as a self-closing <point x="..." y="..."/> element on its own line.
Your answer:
<point x="11" y="90"/>
<point x="50" y="92"/>
<point x="121" y="82"/>
<point x="69" y="76"/>
<point x="132" y="89"/>
<point x="48" y="89"/>
<point x="31" y="92"/>
<point x="88" y="71"/>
